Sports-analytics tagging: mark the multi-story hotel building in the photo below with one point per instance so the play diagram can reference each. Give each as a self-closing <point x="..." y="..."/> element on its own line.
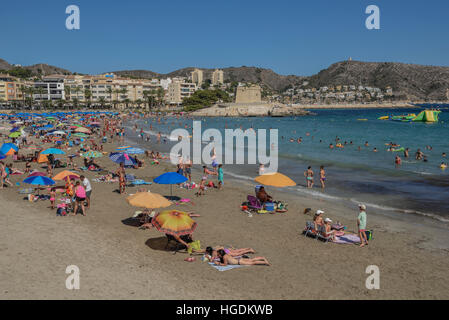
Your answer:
<point x="217" y="77"/>
<point x="178" y="90"/>
<point x="197" y="77"/>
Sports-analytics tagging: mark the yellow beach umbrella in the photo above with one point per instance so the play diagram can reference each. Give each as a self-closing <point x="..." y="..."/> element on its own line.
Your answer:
<point x="275" y="179"/>
<point x="148" y="200"/>
<point x="64" y="174"/>
<point x="174" y="222"/>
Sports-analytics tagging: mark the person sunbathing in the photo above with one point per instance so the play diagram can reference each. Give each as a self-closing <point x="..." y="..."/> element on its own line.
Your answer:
<point x="318" y="219"/>
<point x="227" y="259"/>
<point x="212" y="253"/>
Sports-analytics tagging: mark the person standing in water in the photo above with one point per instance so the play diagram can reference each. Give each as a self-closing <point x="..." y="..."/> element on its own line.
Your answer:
<point x="322" y="177"/>
<point x="309" y="177"/>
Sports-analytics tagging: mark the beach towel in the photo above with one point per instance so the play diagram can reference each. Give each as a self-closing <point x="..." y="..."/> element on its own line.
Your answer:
<point x="347" y="239"/>
<point x="225" y="268"/>
<point x="139" y="182"/>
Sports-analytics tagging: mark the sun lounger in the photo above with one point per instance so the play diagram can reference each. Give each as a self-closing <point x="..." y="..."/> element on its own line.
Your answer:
<point x="322" y="235"/>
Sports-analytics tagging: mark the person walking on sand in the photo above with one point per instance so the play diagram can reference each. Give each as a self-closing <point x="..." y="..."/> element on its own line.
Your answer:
<point x="88" y="187"/>
<point x="309" y="177"/>
<point x="80" y="197"/>
<point x="361" y="225"/>
<point x="121" y="177"/>
<point x="322" y="177"/>
<point x="220" y="176"/>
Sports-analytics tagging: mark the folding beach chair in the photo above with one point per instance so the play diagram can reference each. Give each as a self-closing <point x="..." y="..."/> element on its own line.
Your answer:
<point x="310" y="229"/>
<point x="321" y="234"/>
<point x="254" y="203"/>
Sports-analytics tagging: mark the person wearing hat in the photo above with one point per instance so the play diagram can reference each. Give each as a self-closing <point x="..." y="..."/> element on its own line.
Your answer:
<point x="318" y="219"/>
<point x="328" y="229"/>
<point x="361" y="225"/>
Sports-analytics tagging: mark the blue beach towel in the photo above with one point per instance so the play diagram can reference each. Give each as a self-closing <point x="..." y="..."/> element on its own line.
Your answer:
<point x="225" y="268"/>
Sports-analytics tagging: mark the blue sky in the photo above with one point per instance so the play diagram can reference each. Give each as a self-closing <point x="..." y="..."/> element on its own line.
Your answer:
<point x="290" y="37"/>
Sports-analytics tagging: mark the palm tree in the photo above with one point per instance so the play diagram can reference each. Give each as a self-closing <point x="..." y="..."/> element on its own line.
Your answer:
<point x="40" y="91"/>
<point x="67" y="92"/>
<point x="102" y="101"/>
<point x="88" y="96"/>
<point x="127" y="102"/>
<point x="138" y="102"/>
<point x="160" y="95"/>
<point x="110" y="91"/>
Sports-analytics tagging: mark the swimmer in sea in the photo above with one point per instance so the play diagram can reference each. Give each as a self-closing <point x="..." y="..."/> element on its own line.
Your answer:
<point x="331" y="146"/>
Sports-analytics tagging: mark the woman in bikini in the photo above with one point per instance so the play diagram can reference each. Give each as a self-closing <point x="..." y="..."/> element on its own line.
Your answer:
<point x="322" y="177"/>
<point x="212" y="253"/>
<point x="227" y="259"/>
<point x="121" y="178"/>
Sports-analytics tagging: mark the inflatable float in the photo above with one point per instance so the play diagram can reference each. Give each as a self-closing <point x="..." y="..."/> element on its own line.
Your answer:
<point x="430" y="116"/>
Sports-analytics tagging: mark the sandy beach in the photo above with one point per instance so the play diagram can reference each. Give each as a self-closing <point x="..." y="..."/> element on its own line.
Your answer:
<point x="118" y="261"/>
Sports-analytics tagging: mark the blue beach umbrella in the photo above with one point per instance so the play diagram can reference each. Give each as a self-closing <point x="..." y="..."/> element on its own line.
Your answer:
<point x="119" y="157"/>
<point x="39" y="181"/>
<point x="8" y="149"/>
<point x="170" y="178"/>
<point x="53" y="151"/>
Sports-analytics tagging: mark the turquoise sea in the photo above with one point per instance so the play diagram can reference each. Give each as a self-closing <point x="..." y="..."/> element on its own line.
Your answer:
<point x="415" y="188"/>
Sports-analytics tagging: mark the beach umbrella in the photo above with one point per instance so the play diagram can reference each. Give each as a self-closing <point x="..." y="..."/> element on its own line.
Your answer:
<point x="123" y="148"/>
<point x="119" y="157"/>
<point x="275" y="179"/>
<point x="40" y="181"/>
<point x="92" y="154"/>
<point x="37" y="174"/>
<point x="82" y="130"/>
<point x="134" y="151"/>
<point x="2" y="156"/>
<point x="8" y="149"/>
<point x="174" y="222"/>
<point x="53" y="151"/>
<point x="170" y="178"/>
<point x="81" y="135"/>
<point x="66" y="174"/>
<point x="148" y="200"/>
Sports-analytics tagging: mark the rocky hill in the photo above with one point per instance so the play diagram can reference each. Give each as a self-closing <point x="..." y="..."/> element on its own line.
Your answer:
<point x="409" y="81"/>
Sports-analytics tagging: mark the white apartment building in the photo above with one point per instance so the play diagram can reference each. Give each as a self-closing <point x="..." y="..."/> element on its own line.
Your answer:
<point x="50" y="88"/>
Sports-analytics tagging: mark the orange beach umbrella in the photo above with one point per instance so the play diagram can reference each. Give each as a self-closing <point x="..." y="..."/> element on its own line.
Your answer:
<point x="174" y="222"/>
<point x="148" y="200"/>
<point x="64" y="174"/>
<point x="275" y="179"/>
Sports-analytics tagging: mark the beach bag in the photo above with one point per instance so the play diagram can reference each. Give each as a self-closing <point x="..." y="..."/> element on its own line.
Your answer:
<point x="369" y="234"/>
<point x="61" y="212"/>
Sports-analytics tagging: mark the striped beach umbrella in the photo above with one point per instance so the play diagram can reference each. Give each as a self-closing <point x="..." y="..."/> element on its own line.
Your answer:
<point x="134" y="151"/>
<point x="174" y="222"/>
<point x="119" y="157"/>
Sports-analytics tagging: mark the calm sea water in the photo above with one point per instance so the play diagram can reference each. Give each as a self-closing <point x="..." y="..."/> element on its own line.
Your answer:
<point x="417" y="188"/>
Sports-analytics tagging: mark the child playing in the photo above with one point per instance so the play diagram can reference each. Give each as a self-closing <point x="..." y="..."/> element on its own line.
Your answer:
<point x="52" y="198"/>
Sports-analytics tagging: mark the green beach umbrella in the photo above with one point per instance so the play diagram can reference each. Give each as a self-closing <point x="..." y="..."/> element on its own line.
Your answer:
<point x="15" y="134"/>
